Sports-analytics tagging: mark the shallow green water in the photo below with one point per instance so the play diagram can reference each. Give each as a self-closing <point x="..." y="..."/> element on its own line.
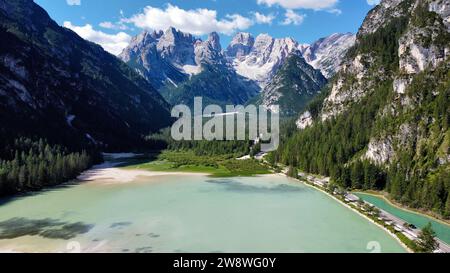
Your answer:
<point x="420" y="221"/>
<point x="187" y="214"/>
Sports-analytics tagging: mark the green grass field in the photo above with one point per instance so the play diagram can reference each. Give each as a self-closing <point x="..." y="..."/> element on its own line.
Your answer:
<point x="217" y="166"/>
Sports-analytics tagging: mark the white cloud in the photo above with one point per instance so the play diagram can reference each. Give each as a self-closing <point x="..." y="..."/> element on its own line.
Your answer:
<point x="335" y="11"/>
<point x="110" y="25"/>
<point x="291" y="17"/>
<point x="373" y="2"/>
<point x="197" y="22"/>
<point x="263" y="19"/>
<point x="113" y="43"/>
<point x="302" y="4"/>
<point x="73" y="2"/>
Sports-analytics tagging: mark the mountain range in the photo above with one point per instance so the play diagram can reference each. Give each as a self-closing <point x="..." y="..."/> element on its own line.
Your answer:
<point x="182" y="66"/>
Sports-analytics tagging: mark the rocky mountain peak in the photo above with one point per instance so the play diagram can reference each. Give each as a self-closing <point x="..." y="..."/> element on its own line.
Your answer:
<point x="176" y="46"/>
<point x="263" y="44"/>
<point x="261" y="61"/>
<point x="209" y="51"/>
<point x="214" y="41"/>
<point x="240" y="45"/>
<point x="327" y="53"/>
<point x="380" y="14"/>
<point x="257" y="59"/>
<point x="243" y="38"/>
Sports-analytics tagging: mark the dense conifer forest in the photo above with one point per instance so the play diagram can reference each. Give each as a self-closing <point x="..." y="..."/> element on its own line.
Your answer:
<point x="30" y="165"/>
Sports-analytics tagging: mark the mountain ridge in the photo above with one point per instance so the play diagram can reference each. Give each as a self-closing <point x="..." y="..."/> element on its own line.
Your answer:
<point x="173" y="61"/>
<point x="58" y="86"/>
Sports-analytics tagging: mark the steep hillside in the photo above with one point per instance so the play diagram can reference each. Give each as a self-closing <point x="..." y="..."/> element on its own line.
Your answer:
<point x="54" y="84"/>
<point x="216" y="85"/>
<point x="383" y="123"/>
<point x="293" y="87"/>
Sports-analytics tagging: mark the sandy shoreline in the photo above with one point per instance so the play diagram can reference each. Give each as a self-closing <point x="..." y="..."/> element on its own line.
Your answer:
<point x="110" y="173"/>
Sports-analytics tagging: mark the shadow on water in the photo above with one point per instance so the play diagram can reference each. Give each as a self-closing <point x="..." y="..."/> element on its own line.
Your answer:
<point x="19" y="196"/>
<point x="120" y="225"/>
<point x="147" y="249"/>
<point x="46" y="228"/>
<point x="235" y="186"/>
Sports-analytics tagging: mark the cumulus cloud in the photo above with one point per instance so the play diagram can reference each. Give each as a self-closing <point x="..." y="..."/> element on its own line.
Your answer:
<point x="111" y="25"/>
<point x="197" y="22"/>
<point x="373" y="2"/>
<point x="293" y="18"/>
<point x="73" y="2"/>
<point x="113" y="43"/>
<point x="263" y="19"/>
<point x="301" y="4"/>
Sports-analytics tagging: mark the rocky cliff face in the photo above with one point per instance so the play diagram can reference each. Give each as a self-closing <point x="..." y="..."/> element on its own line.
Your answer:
<point x="162" y="57"/>
<point x="419" y="45"/>
<point x="240" y="46"/>
<point x="171" y="57"/>
<point x="261" y="59"/>
<point x="327" y="53"/>
<point x="54" y="84"/>
<point x="382" y="14"/>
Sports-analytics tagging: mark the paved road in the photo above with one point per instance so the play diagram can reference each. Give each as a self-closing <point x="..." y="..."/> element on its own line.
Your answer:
<point x="443" y="247"/>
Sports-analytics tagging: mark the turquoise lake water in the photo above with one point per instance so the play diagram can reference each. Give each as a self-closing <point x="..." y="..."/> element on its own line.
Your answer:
<point x="178" y="213"/>
<point x="442" y="230"/>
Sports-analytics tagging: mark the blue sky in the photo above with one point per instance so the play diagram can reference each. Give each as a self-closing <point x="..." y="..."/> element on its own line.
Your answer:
<point x="111" y="23"/>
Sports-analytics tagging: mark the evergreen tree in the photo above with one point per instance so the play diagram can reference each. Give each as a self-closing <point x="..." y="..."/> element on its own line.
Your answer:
<point x="29" y="165"/>
<point x="447" y="207"/>
<point x="292" y="172"/>
<point x="426" y="241"/>
<point x="357" y="175"/>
